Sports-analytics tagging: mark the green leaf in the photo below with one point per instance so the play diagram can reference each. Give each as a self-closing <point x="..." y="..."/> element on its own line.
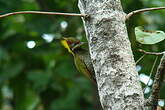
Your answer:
<point x="148" y="37"/>
<point x="27" y="100"/>
<point x="40" y="79"/>
<point x="31" y="100"/>
<point x="10" y="70"/>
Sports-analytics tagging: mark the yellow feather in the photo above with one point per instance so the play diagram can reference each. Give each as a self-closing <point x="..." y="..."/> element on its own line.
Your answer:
<point x="65" y="44"/>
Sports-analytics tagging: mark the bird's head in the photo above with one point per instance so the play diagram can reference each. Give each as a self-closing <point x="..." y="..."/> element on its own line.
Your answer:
<point x="70" y="41"/>
<point x="71" y="44"/>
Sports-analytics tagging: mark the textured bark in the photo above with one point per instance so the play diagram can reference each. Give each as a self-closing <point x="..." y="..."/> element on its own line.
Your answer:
<point x="158" y="81"/>
<point x="110" y="50"/>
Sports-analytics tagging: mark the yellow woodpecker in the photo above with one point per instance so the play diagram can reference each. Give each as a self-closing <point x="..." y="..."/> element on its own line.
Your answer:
<point x="81" y="56"/>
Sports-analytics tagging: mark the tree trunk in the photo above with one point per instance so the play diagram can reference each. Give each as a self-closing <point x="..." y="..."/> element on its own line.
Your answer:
<point x="118" y="83"/>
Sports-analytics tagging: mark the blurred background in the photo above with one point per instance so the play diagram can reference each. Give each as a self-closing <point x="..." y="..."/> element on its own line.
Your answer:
<point x="37" y="73"/>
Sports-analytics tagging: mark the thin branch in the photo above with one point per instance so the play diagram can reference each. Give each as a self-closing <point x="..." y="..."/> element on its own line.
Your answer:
<point x="141" y="11"/>
<point x="140" y="58"/>
<point x="160" y="74"/>
<point x="43" y="13"/>
<point x="151" y="53"/>
<point x="151" y="72"/>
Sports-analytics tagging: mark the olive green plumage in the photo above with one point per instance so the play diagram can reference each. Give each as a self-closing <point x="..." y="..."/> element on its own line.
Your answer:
<point x="81" y="56"/>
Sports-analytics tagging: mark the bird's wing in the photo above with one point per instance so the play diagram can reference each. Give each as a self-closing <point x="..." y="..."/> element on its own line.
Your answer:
<point x="88" y="64"/>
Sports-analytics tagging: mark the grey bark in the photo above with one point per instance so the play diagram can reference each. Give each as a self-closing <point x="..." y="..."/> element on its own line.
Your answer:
<point x="118" y="83"/>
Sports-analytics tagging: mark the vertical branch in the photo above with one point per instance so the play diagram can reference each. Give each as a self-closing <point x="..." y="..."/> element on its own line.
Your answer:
<point x="160" y="74"/>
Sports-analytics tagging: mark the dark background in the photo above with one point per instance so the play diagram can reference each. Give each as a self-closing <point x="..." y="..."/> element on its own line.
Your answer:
<point x="43" y="77"/>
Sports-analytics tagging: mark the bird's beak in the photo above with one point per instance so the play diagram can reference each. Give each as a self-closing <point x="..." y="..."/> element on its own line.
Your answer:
<point x="64" y="38"/>
<point x="78" y="45"/>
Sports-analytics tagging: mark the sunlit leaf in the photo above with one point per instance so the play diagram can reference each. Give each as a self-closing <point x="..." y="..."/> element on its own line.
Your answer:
<point x="148" y="37"/>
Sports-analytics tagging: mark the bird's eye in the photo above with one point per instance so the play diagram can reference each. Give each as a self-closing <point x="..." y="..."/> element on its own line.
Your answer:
<point x="69" y="42"/>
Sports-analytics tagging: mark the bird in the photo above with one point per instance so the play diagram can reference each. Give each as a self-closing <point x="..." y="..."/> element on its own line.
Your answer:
<point x="81" y="56"/>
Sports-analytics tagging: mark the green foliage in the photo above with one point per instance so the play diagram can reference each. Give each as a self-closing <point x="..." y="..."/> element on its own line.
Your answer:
<point x="29" y="98"/>
<point x="148" y="37"/>
<point x="152" y="20"/>
<point x="44" y="76"/>
<point x="39" y="79"/>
